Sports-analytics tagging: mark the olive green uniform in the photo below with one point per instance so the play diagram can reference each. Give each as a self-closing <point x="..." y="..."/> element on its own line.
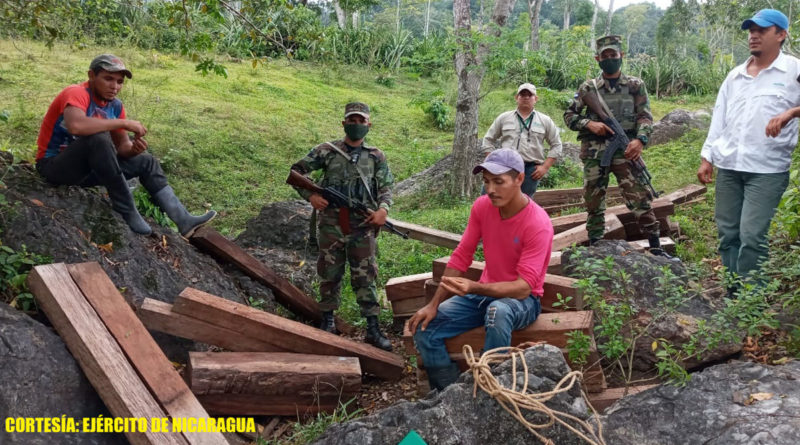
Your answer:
<point x="628" y="102"/>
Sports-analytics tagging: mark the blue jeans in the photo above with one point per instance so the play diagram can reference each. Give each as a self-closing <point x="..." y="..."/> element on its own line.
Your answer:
<point x="529" y="185"/>
<point x="460" y="314"/>
<point x="745" y="205"/>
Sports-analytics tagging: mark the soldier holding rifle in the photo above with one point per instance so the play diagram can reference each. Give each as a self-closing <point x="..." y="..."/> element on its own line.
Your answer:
<point x="613" y="100"/>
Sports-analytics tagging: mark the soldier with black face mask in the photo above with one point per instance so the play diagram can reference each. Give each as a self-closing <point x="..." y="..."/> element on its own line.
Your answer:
<point x="626" y="97"/>
<point x="360" y="173"/>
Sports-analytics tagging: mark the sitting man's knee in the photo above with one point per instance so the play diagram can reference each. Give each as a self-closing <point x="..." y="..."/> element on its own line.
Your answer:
<point x="497" y="310"/>
<point x="98" y="140"/>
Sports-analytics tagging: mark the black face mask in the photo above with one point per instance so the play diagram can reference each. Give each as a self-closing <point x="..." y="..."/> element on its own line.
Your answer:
<point x="356" y="131"/>
<point x="611" y="66"/>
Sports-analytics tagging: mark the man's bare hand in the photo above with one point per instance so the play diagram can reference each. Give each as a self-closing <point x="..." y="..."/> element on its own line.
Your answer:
<point x="422" y="317"/>
<point x="599" y="128"/>
<point x="634" y="150"/>
<point x="540" y="171"/>
<point x="776" y="124"/>
<point x="138" y="146"/>
<point x="458" y="285"/>
<point x="318" y="202"/>
<point x="135" y="127"/>
<point x="705" y="174"/>
<point x="378" y="217"/>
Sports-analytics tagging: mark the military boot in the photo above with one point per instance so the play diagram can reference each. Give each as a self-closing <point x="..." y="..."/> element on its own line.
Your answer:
<point x="655" y="249"/>
<point x="328" y="323"/>
<point x="122" y="202"/>
<point x="374" y="335"/>
<point x="186" y="222"/>
<point x="440" y="378"/>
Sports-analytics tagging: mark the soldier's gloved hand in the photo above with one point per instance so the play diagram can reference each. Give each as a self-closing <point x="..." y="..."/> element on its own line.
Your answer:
<point x="318" y="202"/>
<point x="634" y="150"/>
<point x="599" y="128"/>
<point x="378" y="217"/>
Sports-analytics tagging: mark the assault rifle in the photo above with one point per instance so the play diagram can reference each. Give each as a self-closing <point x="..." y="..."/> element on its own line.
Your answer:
<point x="335" y="198"/>
<point x="618" y="141"/>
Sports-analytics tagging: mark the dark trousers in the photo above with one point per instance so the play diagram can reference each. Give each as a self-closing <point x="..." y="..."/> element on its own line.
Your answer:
<point x="92" y="160"/>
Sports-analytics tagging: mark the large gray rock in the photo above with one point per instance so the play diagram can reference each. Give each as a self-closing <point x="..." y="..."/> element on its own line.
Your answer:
<point x="676" y="123"/>
<point x="41" y="379"/>
<point x="645" y="295"/>
<point x="718" y="406"/>
<point x="455" y="417"/>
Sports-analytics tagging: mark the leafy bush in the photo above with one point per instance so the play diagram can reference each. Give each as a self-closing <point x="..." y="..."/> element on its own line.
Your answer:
<point x="436" y="109"/>
<point x="14" y="268"/>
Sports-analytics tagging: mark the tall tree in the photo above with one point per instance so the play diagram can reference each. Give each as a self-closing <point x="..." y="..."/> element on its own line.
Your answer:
<point x="594" y="22"/>
<point x="427" y="18"/>
<point x="567" y="11"/>
<point x="534" y="12"/>
<point x="470" y="69"/>
<point x="610" y="15"/>
<point x="341" y="16"/>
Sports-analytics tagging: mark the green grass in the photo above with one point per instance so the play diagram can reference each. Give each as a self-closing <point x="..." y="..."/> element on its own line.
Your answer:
<point x="229" y="142"/>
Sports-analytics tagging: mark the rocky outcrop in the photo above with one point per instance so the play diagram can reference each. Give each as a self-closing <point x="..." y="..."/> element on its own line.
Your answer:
<point x="646" y="296"/>
<point x="455" y="417"/>
<point x="729" y="404"/>
<point x="41" y="379"/>
<point x="676" y="123"/>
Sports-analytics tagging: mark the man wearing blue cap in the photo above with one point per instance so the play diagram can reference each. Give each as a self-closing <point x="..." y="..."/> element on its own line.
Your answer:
<point x="750" y="141"/>
<point x="517" y="237"/>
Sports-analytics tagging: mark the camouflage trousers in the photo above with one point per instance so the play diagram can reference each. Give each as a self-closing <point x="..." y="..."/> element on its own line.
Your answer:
<point x="356" y="248"/>
<point x="637" y="198"/>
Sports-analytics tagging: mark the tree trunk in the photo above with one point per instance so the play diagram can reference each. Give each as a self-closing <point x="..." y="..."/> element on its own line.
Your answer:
<point x="397" y="19"/>
<point x="427" y="18"/>
<point x="534" y="8"/>
<point x="355" y="19"/>
<point x="567" y="11"/>
<point x="341" y="18"/>
<point x="610" y="15"/>
<point x="470" y="72"/>
<point x="594" y="23"/>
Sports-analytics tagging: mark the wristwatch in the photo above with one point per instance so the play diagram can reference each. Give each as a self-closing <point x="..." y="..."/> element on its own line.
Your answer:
<point x="642" y="138"/>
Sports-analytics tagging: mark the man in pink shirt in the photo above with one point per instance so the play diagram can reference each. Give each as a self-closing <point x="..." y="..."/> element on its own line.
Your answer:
<point x="517" y="237"/>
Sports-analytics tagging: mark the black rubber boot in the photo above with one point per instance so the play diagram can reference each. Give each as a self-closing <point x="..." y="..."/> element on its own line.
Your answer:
<point x="655" y="249"/>
<point x="122" y="203"/>
<point x="374" y="335"/>
<point x="440" y="378"/>
<point x="328" y="324"/>
<point x="186" y="222"/>
<point x="593" y="241"/>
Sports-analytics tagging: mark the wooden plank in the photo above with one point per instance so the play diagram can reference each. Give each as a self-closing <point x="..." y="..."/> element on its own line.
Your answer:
<point x="409" y="305"/>
<point x="601" y="401"/>
<point x="96" y="351"/>
<point x="666" y="243"/>
<point x="551" y="197"/>
<point x="554" y="268"/>
<point x="410" y="286"/>
<point x="287" y="334"/>
<point x="285" y="292"/>
<point x="248" y="383"/>
<point x="661" y="207"/>
<point x="686" y="194"/>
<point x="426" y="234"/>
<point x="142" y="351"/>
<point x="614" y="229"/>
<point x="158" y="316"/>
<point x="576" y="205"/>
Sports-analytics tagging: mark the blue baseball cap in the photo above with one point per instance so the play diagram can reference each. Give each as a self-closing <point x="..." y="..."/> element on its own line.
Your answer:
<point x="501" y="161"/>
<point x="766" y="18"/>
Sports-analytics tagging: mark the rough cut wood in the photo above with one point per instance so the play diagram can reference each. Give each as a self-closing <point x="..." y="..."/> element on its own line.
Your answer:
<point x="410" y="286"/>
<point x="408" y="306"/>
<point x="426" y="234"/>
<point x="254" y="405"/>
<point x="287" y="334"/>
<point x="269" y="383"/>
<point x="614" y="229"/>
<point x="144" y="354"/>
<point x="554" y="268"/>
<point x="661" y="207"/>
<point x="285" y="292"/>
<point x="666" y="243"/>
<point x="158" y="316"/>
<point x="96" y="351"/>
<point x="601" y="401"/>
<point x="686" y="194"/>
<point x="553" y="197"/>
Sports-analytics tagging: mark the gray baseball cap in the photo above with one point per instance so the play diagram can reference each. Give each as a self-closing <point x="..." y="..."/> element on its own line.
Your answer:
<point x="500" y="161"/>
<point x="110" y="63"/>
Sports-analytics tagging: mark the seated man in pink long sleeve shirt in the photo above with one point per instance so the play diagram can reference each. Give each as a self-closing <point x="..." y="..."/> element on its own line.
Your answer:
<point x="517" y="238"/>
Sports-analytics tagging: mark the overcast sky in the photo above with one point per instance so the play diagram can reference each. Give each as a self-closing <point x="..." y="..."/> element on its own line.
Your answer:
<point x="663" y="4"/>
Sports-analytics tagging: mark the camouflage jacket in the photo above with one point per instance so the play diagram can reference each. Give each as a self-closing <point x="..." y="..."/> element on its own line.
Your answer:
<point x="627" y="100"/>
<point x="343" y="174"/>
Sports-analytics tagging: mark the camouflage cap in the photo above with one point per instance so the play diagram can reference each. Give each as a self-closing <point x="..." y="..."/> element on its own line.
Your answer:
<point x="110" y="63"/>
<point x="359" y="108"/>
<point x="609" y="42"/>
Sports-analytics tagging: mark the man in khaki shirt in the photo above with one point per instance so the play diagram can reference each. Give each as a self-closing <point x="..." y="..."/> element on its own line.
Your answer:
<point x="524" y="130"/>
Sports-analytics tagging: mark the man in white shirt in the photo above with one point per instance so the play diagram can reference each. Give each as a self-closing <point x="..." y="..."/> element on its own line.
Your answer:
<point x="525" y="130"/>
<point x="753" y="133"/>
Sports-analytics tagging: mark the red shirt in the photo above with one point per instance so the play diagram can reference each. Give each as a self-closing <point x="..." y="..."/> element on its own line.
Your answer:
<point x="517" y="247"/>
<point x="53" y="136"/>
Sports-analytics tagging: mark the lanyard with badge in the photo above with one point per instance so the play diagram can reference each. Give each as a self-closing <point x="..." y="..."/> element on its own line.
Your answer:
<point x="524" y="125"/>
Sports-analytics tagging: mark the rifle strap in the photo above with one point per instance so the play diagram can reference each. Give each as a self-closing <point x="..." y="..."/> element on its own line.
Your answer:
<point x="360" y="173"/>
<point x="601" y="100"/>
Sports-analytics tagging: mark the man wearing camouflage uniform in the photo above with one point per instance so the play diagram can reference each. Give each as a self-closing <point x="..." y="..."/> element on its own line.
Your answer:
<point x="362" y="174"/>
<point x="626" y="97"/>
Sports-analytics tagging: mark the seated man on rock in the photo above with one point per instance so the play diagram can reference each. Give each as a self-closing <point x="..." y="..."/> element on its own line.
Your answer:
<point x="84" y="141"/>
<point x="517" y="238"/>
